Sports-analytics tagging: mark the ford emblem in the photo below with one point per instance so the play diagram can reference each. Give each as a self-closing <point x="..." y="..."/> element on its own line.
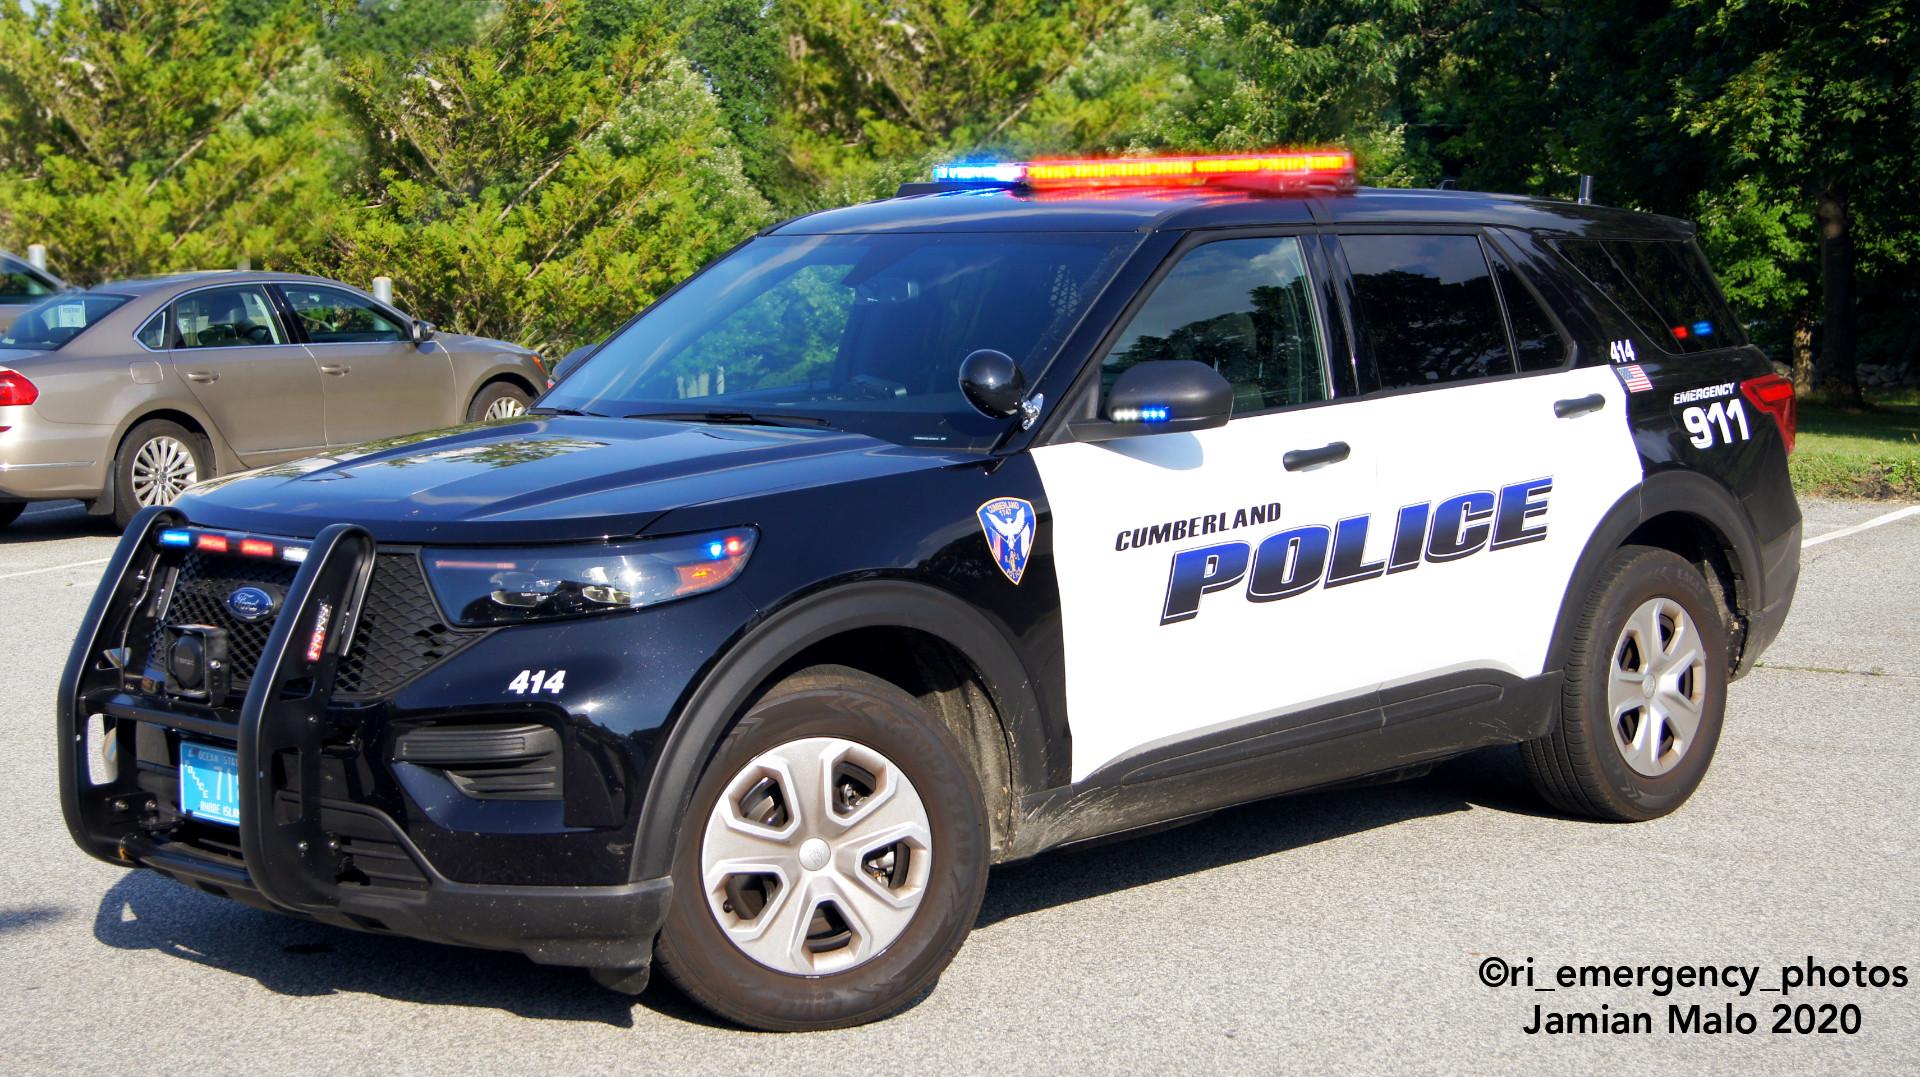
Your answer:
<point x="250" y="604"/>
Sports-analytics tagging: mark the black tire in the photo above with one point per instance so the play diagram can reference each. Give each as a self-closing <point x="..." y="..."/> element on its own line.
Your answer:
<point x="833" y="701"/>
<point x="10" y="511"/>
<point x="154" y="432"/>
<point x="498" y="392"/>
<point x="1581" y="767"/>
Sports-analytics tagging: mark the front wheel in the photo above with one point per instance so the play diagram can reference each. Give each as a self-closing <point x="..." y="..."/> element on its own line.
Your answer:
<point x="1645" y="693"/>
<point x="831" y="862"/>
<point x="498" y="401"/>
<point x="157" y="461"/>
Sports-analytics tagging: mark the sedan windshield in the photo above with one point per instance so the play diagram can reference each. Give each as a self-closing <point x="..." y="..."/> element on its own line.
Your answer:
<point x="861" y="333"/>
<point x="55" y="321"/>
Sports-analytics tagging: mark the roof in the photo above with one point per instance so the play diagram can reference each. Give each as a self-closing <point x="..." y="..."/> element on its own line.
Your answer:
<point x="197" y="277"/>
<point x="1149" y="209"/>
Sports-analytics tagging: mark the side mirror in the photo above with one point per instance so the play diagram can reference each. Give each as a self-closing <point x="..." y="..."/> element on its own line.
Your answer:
<point x="1162" y="396"/>
<point x="422" y="332"/>
<point x="569" y="361"/>
<point x="993" y="383"/>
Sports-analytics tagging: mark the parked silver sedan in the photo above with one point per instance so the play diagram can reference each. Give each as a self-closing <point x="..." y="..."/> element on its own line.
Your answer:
<point x="125" y="394"/>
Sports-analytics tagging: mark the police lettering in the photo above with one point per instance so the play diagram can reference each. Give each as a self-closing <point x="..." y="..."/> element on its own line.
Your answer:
<point x="1195" y="526"/>
<point x="1295" y="561"/>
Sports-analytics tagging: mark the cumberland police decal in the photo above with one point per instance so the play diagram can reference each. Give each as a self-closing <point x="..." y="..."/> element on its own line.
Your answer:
<point x="1008" y="522"/>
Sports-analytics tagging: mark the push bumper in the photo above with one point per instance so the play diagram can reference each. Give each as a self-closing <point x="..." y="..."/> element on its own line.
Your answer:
<point x="295" y="849"/>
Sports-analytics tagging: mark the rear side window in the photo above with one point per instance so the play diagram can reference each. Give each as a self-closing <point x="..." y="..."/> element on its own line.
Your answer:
<point x="1537" y="342"/>
<point x="225" y="318"/>
<point x="1664" y="286"/>
<point x="1245" y="308"/>
<point x="1429" y="307"/>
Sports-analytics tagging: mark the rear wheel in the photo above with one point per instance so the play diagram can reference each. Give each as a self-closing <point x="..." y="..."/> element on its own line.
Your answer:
<point x="157" y="461"/>
<point x="831" y="862"/>
<point x="1645" y="693"/>
<point x="501" y="400"/>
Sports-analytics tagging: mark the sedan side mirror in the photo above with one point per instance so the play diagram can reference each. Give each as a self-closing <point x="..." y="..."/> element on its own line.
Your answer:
<point x="1162" y="396"/>
<point x="422" y="332"/>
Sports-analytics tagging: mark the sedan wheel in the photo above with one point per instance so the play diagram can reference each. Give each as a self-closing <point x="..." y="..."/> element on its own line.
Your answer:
<point x="505" y="408"/>
<point x="163" y="468"/>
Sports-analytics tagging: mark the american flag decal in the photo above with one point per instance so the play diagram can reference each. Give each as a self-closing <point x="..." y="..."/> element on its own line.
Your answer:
<point x="1635" y="378"/>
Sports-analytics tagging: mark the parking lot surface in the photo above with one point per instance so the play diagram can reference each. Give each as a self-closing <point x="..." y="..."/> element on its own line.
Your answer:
<point x="1337" y="932"/>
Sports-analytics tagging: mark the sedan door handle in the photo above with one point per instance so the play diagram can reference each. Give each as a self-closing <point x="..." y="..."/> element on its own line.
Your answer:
<point x="202" y="376"/>
<point x="1302" y="459"/>
<point x="1579" y="405"/>
<point x="336" y="370"/>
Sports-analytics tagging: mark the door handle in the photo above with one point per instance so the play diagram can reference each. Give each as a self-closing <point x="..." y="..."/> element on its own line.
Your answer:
<point x="202" y="376"/>
<point x="336" y="369"/>
<point x="1302" y="459"/>
<point x="1579" y="405"/>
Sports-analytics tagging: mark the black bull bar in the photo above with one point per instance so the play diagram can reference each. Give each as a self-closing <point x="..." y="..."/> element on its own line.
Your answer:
<point x="289" y="862"/>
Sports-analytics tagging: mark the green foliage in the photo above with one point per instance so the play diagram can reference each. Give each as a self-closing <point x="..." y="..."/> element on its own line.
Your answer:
<point x="537" y="186"/>
<point x="142" y="136"/>
<point x="400" y="27"/>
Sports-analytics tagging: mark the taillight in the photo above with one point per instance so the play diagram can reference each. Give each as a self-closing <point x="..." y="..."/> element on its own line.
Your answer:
<point x="15" y="389"/>
<point x="1773" y="394"/>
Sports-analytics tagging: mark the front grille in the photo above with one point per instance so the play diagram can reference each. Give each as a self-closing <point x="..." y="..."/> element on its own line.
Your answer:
<point x="400" y="635"/>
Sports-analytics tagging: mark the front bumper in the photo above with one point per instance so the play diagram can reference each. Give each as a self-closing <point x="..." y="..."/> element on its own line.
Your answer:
<point x="301" y="847"/>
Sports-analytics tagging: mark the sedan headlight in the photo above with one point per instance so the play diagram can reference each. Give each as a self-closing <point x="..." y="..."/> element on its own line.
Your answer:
<point x="504" y="586"/>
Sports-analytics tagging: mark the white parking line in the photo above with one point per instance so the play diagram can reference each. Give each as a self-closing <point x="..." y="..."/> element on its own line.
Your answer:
<point x="1899" y="514"/>
<point x="55" y="568"/>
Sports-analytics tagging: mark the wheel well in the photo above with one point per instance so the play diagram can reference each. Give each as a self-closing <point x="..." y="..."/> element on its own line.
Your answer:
<point x="939" y="675"/>
<point x="1701" y="543"/>
<point x="180" y="417"/>
<point x="511" y="379"/>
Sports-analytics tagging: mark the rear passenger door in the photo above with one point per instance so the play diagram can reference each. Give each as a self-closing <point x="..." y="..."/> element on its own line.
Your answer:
<point x="1188" y="562"/>
<point x="260" y="388"/>
<point x="1492" y="444"/>
<point x="377" y="383"/>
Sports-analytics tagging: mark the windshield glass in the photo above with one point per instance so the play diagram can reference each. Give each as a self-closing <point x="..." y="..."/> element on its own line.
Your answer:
<point x="863" y="333"/>
<point x="60" y="319"/>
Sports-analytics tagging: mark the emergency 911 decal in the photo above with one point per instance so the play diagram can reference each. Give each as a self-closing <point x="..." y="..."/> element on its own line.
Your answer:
<point x="1296" y="560"/>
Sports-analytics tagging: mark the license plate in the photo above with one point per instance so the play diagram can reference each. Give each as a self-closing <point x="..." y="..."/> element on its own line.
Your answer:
<point x="210" y="783"/>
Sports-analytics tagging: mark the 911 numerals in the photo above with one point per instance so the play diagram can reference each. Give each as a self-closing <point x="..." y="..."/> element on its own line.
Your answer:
<point x="532" y="682"/>
<point x="1726" y="415"/>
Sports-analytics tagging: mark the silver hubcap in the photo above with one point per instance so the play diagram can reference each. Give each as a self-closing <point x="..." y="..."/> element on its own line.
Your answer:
<point x="817" y="856"/>
<point x="162" y="468"/>
<point x="505" y="408"/>
<point x="1657" y="687"/>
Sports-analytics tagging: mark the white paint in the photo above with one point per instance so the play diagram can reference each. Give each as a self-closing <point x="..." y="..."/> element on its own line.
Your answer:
<point x="55" y="568"/>
<point x="1877" y="521"/>
<point x="1132" y="681"/>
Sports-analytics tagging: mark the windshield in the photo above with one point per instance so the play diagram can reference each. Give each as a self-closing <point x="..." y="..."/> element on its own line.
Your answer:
<point x="58" y="320"/>
<point x="862" y="333"/>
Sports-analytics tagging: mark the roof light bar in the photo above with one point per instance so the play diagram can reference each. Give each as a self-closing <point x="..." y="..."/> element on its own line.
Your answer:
<point x="1280" y="171"/>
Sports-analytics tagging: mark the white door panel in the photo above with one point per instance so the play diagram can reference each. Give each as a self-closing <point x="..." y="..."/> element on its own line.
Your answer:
<point x="1147" y="661"/>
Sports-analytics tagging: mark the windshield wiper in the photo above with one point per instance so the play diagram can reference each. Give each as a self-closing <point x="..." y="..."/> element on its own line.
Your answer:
<point x="564" y="411"/>
<point x="744" y="418"/>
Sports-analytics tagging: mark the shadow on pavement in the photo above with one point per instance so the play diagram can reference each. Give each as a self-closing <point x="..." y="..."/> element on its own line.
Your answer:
<point x="48" y="520"/>
<point x="15" y="919"/>
<point x="145" y="911"/>
<point x="1492" y="778"/>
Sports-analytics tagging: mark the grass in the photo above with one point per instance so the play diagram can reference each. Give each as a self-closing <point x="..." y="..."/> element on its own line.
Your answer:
<point x="1846" y="452"/>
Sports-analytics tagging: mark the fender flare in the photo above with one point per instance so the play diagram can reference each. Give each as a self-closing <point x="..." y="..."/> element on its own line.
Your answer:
<point x="1661" y="493"/>
<point x="730" y="687"/>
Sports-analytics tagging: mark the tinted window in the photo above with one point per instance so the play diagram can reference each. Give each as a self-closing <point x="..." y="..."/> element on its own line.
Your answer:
<point x="1664" y="286"/>
<point x="1245" y="308"/>
<point x="18" y="283"/>
<point x="1537" y="342"/>
<point x="864" y="332"/>
<point x="225" y="318"/>
<point x="55" y="321"/>
<point x="1429" y="306"/>
<point x="333" y="316"/>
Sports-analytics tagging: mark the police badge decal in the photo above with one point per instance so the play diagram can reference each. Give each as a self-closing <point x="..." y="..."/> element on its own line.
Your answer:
<point x="1008" y="522"/>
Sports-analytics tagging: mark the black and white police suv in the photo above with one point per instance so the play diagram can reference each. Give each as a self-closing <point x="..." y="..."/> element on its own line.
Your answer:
<point x="1040" y="503"/>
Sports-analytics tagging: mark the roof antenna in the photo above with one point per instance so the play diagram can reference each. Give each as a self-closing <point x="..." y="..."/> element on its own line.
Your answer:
<point x="1586" y="190"/>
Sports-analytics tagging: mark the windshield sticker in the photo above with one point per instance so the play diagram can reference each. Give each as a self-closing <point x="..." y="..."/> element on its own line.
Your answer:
<point x="1008" y="523"/>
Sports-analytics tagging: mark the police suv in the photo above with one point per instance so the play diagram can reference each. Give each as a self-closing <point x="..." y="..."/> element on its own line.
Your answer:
<point x="1040" y="503"/>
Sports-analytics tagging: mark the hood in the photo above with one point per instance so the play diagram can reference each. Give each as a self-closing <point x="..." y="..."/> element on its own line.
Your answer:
<point x="545" y="479"/>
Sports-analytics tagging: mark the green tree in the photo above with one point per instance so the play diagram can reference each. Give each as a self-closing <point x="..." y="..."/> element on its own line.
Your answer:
<point x="142" y="136"/>
<point x="537" y="185"/>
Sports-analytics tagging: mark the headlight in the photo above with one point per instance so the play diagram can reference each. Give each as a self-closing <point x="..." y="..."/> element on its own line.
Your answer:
<point x="503" y="586"/>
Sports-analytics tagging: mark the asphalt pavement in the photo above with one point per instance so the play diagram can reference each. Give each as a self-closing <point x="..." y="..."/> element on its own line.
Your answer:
<point x="1340" y="932"/>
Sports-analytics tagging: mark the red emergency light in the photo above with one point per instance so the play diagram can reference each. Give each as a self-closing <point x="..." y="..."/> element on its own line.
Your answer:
<point x="1288" y="170"/>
